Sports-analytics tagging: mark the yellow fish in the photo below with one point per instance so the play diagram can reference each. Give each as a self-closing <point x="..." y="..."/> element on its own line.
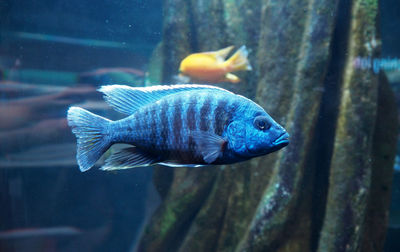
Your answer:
<point x="212" y="66"/>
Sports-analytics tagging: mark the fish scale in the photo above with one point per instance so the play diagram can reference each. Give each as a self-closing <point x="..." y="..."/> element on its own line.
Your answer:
<point x="188" y="122"/>
<point x="180" y="129"/>
<point x="165" y="123"/>
<point x="150" y="132"/>
<point x="200" y="110"/>
<point x="150" y="125"/>
<point x="175" y="131"/>
<point x="204" y="113"/>
<point x="182" y="125"/>
<point x="190" y="113"/>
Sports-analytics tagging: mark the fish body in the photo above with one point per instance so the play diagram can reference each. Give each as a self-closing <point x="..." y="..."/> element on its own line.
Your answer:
<point x="212" y="66"/>
<point x="181" y="125"/>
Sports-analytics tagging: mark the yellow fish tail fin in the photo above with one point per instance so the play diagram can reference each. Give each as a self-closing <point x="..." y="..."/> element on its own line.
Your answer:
<point x="220" y="54"/>
<point x="239" y="61"/>
<point x="231" y="78"/>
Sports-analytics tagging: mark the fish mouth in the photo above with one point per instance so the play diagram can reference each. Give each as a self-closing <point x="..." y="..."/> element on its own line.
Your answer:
<point x="282" y="140"/>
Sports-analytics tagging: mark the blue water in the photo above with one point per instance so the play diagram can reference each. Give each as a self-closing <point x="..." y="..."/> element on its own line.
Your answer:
<point x="50" y="52"/>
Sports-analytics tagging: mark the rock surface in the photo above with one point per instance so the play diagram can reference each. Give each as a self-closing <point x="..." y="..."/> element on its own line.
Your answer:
<point x="317" y="194"/>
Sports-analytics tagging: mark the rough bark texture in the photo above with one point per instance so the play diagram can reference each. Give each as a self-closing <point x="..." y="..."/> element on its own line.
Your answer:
<point x="320" y="192"/>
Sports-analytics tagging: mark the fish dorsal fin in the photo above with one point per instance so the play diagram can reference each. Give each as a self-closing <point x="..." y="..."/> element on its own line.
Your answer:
<point x="220" y="54"/>
<point x="127" y="100"/>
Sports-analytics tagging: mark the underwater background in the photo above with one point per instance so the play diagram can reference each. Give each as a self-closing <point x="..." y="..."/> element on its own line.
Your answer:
<point x="328" y="71"/>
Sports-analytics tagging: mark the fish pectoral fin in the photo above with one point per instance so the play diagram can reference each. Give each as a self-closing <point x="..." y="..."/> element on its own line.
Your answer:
<point x="209" y="145"/>
<point x="220" y="54"/>
<point x="127" y="158"/>
<point x="231" y="78"/>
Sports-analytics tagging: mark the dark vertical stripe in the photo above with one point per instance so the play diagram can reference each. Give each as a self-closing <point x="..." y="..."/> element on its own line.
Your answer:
<point x="191" y="112"/>
<point x="235" y="105"/>
<point x="164" y="124"/>
<point x="139" y="120"/>
<point x="146" y="124"/>
<point x="152" y="119"/>
<point x="191" y="122"/>
<point x="177" y="124"/>
<point x="143" y="127"/>
<point x="136" y="123"/>
<point x="150" y="128"/>
<point x="221" y="115"/>
<point x="204" y="114"/>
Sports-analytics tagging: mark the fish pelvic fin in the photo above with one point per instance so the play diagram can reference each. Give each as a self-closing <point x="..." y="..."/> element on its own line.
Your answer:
<point x="127" y="158"/>
<point x="238" y="61"/>
<point x="91" y="134"/>
<point x="231" y="78"/>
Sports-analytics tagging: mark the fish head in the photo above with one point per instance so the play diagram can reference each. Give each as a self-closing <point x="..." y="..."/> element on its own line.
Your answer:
<point x="264" y="135"/>
<point x="257" y="135"/>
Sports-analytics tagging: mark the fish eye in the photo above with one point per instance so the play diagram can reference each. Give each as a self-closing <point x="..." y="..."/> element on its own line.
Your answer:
<point x="262" y="123"/>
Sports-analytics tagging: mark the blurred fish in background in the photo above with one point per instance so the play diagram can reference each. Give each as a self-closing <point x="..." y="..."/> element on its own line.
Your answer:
<point x="212" y="67"/>
<point x="58" y="238"/>
<point x="32" y="119"/>
<point x="112" y="75"/>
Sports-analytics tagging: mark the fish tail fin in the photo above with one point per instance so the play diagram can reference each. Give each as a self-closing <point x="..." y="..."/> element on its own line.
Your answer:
<point x="91" y="134"/>
<point x="238" y="61"/>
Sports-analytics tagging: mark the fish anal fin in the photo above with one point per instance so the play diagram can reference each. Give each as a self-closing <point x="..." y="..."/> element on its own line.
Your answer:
<point x="229" y="77"/>
<point x="127" y="158"/>
<point x="178" y="165"/>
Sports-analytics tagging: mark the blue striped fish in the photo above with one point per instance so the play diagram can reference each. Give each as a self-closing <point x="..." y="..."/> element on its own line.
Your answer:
<point x="178" y="125"/>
